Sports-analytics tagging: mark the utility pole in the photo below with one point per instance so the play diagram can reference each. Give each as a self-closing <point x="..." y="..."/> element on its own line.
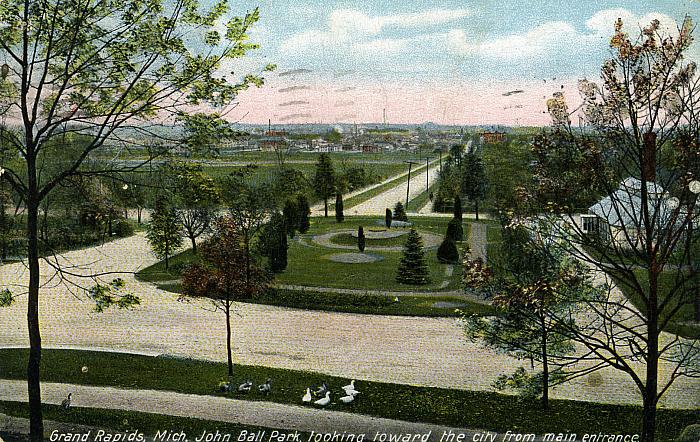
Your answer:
<point x="427" y="178"/>
<point x="408" y="183"/>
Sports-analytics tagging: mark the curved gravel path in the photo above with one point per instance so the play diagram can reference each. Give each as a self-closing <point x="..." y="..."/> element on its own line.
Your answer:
<point x="254" y="413"/>
<point x="430" y="240"/>
<point x="409" y="350"/>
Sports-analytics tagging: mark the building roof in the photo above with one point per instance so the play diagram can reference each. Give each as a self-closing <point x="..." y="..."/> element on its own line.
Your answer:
<point x="624" y="206"/>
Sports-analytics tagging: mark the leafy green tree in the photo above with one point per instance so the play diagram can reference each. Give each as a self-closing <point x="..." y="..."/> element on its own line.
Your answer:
<point x="400" y="212"/>
<point x="324" y="180"/>
<point x="273" y="243"/>
<point x="195" y="196"/>
<point x="361" y="241"/>
<point x="473" y="180"/>
<point x="304" y="212"/>
<point x="413" y="268"/>
<point x="339" y="216"/>
<point x="225" y="274"/>
<point x="105" y="73"/>
<point x="249" y="205"/>
<point x="387" y="217"/>
<point x="536" y="290"/>
<point x="163" y="230"/>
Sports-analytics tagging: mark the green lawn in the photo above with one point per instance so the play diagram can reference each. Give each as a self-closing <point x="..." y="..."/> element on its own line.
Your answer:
<point x="308" y="266"/>
<point x="347" y="239"/>
<point x="465" y="409"/>
<point x="679" y="324"/>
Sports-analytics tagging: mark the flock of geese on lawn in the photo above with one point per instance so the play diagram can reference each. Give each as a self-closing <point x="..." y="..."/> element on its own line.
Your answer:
<point x="324" y="393"/>
<point x="321" y="394"/>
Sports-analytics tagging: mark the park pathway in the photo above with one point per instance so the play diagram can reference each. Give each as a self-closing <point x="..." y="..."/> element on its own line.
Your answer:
<point x="215" y="408"/>
<point x="317" y="209"/>
<point x="478" y="241"/>
<point x="397" y="349"/>
<point x="378" y="204"/>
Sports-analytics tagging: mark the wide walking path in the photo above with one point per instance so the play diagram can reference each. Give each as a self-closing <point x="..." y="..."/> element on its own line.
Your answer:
<point x="407" y="350"/>
<point x="388" y="199"/>
<point x="254" y="413"/>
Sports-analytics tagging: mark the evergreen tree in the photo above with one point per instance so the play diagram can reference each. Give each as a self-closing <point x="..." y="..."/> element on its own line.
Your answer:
<point x="273" y="243"/>
<point x="387" y="218"/>
<point x="455" y="230"/>
<point x="292" y="217"/>
<point x="361" y="239"/>
<point x="339" y="216"/>
<point x="473" y="183"/>
<point x="458" y="208"/>
<point x="324" y="180"/>
<point x="304" y="212"/>
<point x="163" y="231"/>
<point x="447" y="252"/>
<point x="400" y="212"/>
<point x="413" y="268"/>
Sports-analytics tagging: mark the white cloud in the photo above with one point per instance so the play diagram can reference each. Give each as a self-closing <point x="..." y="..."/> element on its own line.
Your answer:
<point x="603" y="21"/>
<point x="555" y="36"/>
<point x="535" y="42"/>
<point x="345" y="27"/>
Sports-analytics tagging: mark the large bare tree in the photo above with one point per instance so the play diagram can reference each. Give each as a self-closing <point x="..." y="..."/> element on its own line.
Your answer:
<point x="634" y="160"/>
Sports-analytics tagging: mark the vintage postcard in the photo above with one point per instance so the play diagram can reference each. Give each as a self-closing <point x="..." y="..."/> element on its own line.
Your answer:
<point x="349" y="221"/>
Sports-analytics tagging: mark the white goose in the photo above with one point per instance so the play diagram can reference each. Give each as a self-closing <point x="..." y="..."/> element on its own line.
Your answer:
<point x="324" y="401"/>
<point x="307" y="396"/>
<point x="245" y="387"/>
<point x="347" y="399"/>
<point x="350" y="386"/>
<point x="351" y="392"/>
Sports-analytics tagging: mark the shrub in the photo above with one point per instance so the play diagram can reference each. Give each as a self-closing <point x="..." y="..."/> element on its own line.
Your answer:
<point x="400" y="212"/>
<point x="691" y="433"/>
<point x="124" y="228"/>
<point x="387" y="218"/>
<point x="447" y="252"/>
<point x="339" y="216"/>
<point x="361" y="239"/>
<point x="455" y="230"/>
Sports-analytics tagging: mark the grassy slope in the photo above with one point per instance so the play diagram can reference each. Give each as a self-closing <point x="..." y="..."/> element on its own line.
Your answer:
<point x="466" y="409"/>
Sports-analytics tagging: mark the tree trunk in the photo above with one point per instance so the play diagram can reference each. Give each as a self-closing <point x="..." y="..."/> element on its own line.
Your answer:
<point x="325" y="207"/>
<point x="545" y="369"/>
<point x="228" y="338"/>
<point x="36" y="424"/>
<point x="650" y="394"/>
<point x="697" y="304"/>
<point x="138" y="214"/>
<point x="194" y="244"/>
<point x="167" y="250"/>
<point x="476" y="209"/>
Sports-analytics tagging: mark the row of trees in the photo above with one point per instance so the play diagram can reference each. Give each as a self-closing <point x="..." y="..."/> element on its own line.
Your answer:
<point x="463" y="175"/>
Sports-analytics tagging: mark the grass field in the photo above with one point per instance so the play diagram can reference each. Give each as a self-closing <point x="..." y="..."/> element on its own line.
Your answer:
<point x="465" y="409"/>
<point x="308" y="262"/>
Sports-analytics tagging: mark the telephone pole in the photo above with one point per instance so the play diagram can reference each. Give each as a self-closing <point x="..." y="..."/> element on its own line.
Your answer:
<point x="408" y="183"/>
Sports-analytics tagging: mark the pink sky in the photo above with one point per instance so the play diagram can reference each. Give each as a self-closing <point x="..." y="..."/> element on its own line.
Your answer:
<point x="453" y="104"/>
